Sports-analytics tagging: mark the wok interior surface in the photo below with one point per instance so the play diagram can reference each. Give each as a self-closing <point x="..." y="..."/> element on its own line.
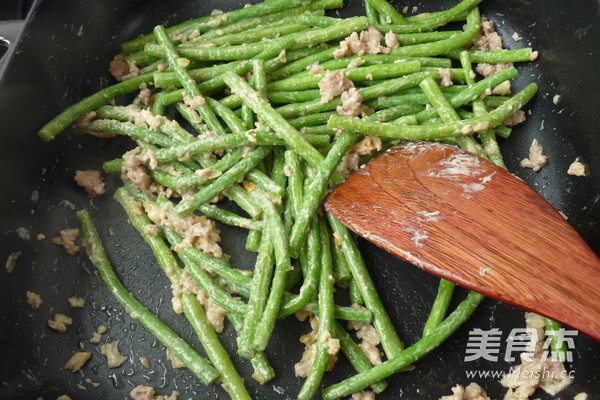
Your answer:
<point x="63" y="57"/>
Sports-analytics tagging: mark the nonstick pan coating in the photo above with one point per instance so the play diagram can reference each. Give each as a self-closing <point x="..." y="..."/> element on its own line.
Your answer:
<point x="63" y="57"/>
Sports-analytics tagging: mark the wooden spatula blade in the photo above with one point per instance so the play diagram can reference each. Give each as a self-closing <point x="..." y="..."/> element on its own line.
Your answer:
<point x="464" y="219"/>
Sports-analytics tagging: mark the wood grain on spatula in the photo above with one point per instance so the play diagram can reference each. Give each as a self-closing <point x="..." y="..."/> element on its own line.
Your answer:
<point x="464" y="219"/>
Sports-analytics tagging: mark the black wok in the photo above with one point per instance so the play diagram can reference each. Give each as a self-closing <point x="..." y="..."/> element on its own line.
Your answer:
<point x="62" y="57"/>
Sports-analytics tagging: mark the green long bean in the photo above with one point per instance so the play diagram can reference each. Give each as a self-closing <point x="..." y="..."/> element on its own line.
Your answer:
<point x="371" y="13"/>
<point x="433" y="21"/>
<point x="440" y="306"/>
<point x="392" y="345"/>
<point x="316" y="191"/>
<point x="136" y="132"/>
<point x="212" y="289"/>
<point x="312" y="269"/>
<point x="355" y="355"/>
<point x="169" y="79"/>
<point x="386" y="88"/>
<point x="437" y="131"/>
<point x="374" y="59"/>
<point x="187" y="82"/>
<point x="377" y="71"/>
<point x="263" y="270"/>
<point x="59" y="123"/>
<point x="409" y="355"/>
<point x="314" y="7"/>
<point x="277" y="122"/>
<point x="221" y="183"/>
<point x="488" y="136"/>
<point x="320" y="21"/>
<point x="444" y="45"/>
<point x="293" y="96"/>
<point x="496" y="56"/>
<point x="282" y="268"/>
<point x="387" y="11"/>
<point x="341" y="270"/>
<point x="558" y="346"/>
<point x="326" y="315"/>
<point x="213" y="22"/>
<point x="301" y="64"/>
<point x="254" y="35"/>
<point x="191" y="307"/>
<point x="345" y="313"/>
<point x="194" y="362"/>
<point x="203" y="145"/>
<point x="448" y="114"/>
<point x="239" y="282"/>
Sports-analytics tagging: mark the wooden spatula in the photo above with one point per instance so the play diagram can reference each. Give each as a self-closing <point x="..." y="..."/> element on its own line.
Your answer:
<point x="466" y="220"/>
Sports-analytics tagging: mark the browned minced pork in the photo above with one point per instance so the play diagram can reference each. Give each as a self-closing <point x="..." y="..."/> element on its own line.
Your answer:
<point x="349" y="163"/>
<point x="33" y="299"/>
<point x="77" y="360"/>
<point x="85" y="118"/>
<point x="282" y="57"/>
<point x="76" y="302"/>
<point x="366" y="146"/>
<point x="486" y="69"/>
<point x="197" y="231"/>
<point x="11" y="261"/>
<point x="577" y="168"/>
<point x="303" y="367"/>
<point x="534" y="373"/>
<point x="60" y="322"/>
<point x="214" y="313"/>
<point x="97" y="336"/>
<point x="333" y="84"/>
<point x="368" y="42"/>
<point x="471" y="392"/>
<point x="363" y="395"/>
<point x="146" y="97"/>
<point x="351" y="103"/>
<point x="537" y="159"/>
<point x="391" y="41"/>
<point x="193" y="102"/>
<point x="186" y="37"/>
<point x="503" y="89"/>
<point x="446" y="75"/>
<point x="516" y="118"/>
<point x="488" y="39"/>
<point x="67" y="240"/>
<point x="145" y="118"/>
<point x="114" y="358"/>
<point x="91" y="181"/>
<point x="120" y="68"/>
<point x="355" y="63"/>
<point x="142" y="392"/>
<point x="136" y="169"/>
<point x="315" y="69"/>
<point x="369" y="341"/>
<point x="175" y="362"/>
